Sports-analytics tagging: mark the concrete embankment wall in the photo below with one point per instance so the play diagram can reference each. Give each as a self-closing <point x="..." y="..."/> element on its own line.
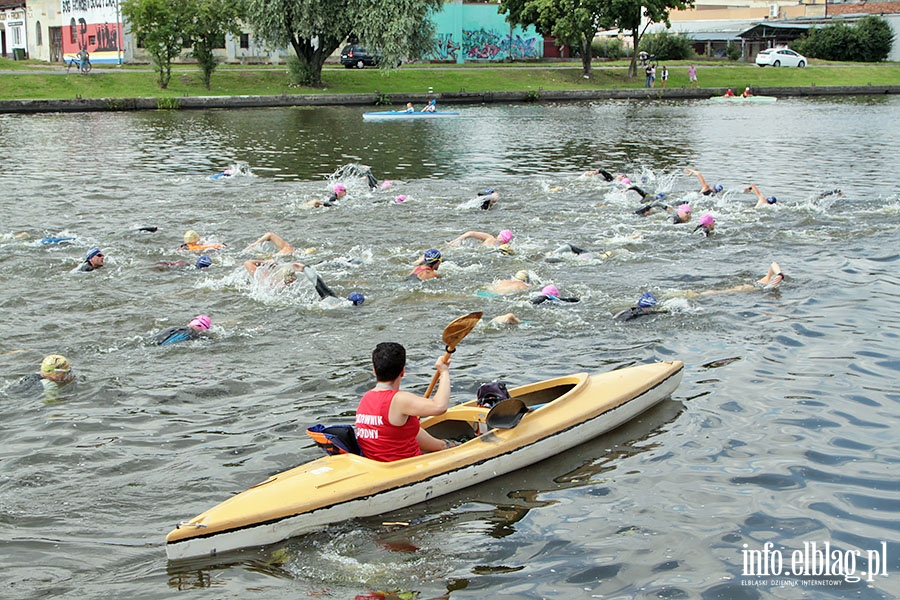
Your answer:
<point x="204" y="102"/>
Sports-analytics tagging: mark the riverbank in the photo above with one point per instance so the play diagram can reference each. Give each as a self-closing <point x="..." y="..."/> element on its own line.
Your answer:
<point x="285" y="100"/>
<point x="41" y="88"/>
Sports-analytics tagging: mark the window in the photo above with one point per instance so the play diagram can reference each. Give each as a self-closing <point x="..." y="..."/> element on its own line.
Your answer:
<point x="38" y="38"/>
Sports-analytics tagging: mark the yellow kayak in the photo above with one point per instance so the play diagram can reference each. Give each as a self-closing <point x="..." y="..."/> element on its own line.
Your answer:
<point x="567" y="411"/>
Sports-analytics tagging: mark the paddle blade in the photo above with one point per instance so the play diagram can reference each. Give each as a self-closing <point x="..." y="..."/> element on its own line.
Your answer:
<point x="506" y="414"/>
<point x="460" y="328"/>
<point x="453" y="335"/>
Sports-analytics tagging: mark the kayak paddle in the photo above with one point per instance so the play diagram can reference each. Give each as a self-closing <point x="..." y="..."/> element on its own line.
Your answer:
<point x="453" y="335"/>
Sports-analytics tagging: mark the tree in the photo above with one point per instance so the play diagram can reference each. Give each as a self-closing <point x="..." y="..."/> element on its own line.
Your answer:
<point x="315" y="28"/>
<point x="210" y="21"/>
<point x="159" y="26"/>
<point x="628" y="14"/>
<point x="571" y="22"/>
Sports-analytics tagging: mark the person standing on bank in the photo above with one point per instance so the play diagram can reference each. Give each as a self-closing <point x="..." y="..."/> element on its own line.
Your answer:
<point x="387" y="419"/>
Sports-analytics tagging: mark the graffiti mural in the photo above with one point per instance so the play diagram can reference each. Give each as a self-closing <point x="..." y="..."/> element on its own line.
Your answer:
<point x="484" y="44"/>
<point x="92" y="25"/>
<point x="444" y="48"/>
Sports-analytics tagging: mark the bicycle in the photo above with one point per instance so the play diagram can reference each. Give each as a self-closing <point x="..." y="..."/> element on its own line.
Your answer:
<point x="83" y="67"/>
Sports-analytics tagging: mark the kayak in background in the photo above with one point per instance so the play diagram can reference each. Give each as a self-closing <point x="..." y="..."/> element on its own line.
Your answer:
<point x="743" y="100"/>
<point x="399" y="115"/>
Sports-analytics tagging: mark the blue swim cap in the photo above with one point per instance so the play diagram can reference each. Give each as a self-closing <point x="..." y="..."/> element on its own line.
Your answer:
<point x="647" y="300"/>
<point x="718" y="187"/>
<point x="92" y="253"/>
<point x="356" y="298"/>
<point x="432" y="256"/>
<point x="771" y="199"/>
<point x="203" y="262"/>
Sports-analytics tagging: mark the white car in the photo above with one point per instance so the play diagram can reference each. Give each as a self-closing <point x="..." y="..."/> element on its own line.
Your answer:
<point x="780" y="57"/>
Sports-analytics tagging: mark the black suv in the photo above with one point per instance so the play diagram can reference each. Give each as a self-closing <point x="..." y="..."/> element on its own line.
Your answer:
<point x="357" y="56"/>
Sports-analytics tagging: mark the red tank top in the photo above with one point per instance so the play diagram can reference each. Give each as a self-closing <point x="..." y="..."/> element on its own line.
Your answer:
<point x="378" y="439"/>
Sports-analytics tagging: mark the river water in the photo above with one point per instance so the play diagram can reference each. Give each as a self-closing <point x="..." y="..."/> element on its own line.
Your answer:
<point x="783" y="430"/>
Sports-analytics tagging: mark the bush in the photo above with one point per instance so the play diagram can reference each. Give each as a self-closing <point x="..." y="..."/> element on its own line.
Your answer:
<point x="733" y="51"/>
<point x="868" y="41"/>
<point x="667" y="46"/>
<point x="611" y="48"/>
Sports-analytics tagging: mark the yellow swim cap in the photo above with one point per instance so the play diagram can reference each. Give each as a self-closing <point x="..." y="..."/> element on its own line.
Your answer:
<point x="55" y="363"/>
<point x="288" y="275"/>
<point x="191" y="237"/>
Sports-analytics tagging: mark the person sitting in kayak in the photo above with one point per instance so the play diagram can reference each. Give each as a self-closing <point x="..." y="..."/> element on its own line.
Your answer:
<point x="520" y="281"/>
<point x="191" y="331"/>
<point x="429" y="265"/>
<point x="193" y="243"/>
<point x="761" y="201"/>
<point x="337" y="192"/>
<point x="387" y="419"/>
<point x="705" y="188"/>
<point x="645" y="306"/>
<point x="707" y="225"/>
<point x="93" y="260"/>
<point x="550" y="293"/>
<point x="430" y="107"/>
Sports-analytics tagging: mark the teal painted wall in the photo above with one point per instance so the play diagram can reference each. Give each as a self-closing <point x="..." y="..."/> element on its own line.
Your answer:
<point x="477" y="32"/>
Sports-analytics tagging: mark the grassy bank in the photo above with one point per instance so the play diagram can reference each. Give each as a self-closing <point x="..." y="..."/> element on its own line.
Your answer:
<point x="36" y="81"/>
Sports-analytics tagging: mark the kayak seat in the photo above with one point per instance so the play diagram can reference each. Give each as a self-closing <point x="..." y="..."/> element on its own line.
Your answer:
<point x="335" y="439"/>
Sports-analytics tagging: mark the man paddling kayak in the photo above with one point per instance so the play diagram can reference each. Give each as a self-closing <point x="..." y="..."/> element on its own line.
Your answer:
<point x="387" y="419"/>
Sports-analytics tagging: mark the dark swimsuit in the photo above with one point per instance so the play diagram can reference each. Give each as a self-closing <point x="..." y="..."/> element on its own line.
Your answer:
<point x="171" y="335"/>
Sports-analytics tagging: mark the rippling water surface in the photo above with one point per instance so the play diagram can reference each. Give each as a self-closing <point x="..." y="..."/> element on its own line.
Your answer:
<point x="783" y="430"/>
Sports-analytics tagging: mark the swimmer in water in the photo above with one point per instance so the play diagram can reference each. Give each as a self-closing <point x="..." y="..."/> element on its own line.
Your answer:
<point x="761" y="201"/>
<point x="428" y="269"/>
<point x="203" y="262"/>
<point x="705" y="188"/>
<point x="55" y="373"/>
<point x="93" y="260"/>
<point x="550" y="293"/>
<point x="520" y="281"/>
<point x="707" y="225"/>
<point x="284" y="247"/>
<point x="279" y="275"/>
<point x="645" y="306"/>
<point x="502" y="239"/>
<point x="337" y="193"/>
<point x="191" y="331"/>
<point x="772" y="280"/>
<point x="193" y="243"/>
<point x="489" y="198"/>
<point x="682" y="213"/>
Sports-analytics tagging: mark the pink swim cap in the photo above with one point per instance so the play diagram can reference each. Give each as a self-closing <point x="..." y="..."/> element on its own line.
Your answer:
<point x="707" y="219"/>
<point x="339" y="188"/>
<point x="505" y="236"/>
<point x="201" y="322"/>
<point x="400" y="198"/>
<point x="550" y="290"/>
